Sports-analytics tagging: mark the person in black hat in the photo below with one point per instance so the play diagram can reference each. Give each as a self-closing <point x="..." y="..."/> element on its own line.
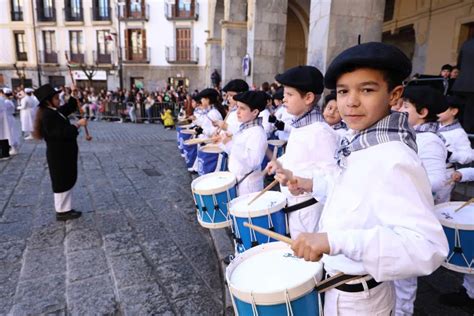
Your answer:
<point x="312" y="143"/>
<point x="232" y="88"/>
<point x="208" y="113"/>
<point x="281" y="114"/>
<point x="331" y="114"/>
<point x="52" y="125"/>
<point x="246" y="148"/>
<point x="378" y="219"/>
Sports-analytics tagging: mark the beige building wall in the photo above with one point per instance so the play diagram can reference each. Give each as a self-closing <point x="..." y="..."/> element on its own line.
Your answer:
<point x="438" y="26"/>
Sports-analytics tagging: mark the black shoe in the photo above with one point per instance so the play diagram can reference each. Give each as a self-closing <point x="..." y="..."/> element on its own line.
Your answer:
<point x="228" y="259"/>
<point x="459" y="298"/>
<point x="72" y="214"/>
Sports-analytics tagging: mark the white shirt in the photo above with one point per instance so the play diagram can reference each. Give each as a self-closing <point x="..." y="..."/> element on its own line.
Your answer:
<point x="233" y="123"/>
<point x="27" y="109"/>
<point x="458" y="143"/>
<point x="282" y="115"/>
<point x="379" y="216"/>
<point x="309" y="147"/>
<point x="205" y="121"/>
<point x="246" y="151"/>
<point x="267" y="126"/>
<point x="467" y="174"/>
<point x="432" y="153"/>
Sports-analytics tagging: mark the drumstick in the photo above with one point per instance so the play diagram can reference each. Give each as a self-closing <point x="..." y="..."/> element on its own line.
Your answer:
<point x="270" y="234"/>
<point x="195" y="141"/>
<point x="271" y="185"/>
<point x="225" y="120"/>
<point x="471" y="200"/>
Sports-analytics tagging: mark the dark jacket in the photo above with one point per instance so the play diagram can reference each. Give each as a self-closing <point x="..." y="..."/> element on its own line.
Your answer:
<point x="61" y="146"/>
<point x="465" y="81"/>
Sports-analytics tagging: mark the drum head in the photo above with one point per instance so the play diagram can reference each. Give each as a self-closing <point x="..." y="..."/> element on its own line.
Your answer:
<point x="213" y="183"/>
<point x="188" y="131"/>
<point x="276" y="142"/>
<point x="211" y="149"/>
<point x="462" y="219"/>
<point x="270" y="202"/>
<point x="268" y="270"/>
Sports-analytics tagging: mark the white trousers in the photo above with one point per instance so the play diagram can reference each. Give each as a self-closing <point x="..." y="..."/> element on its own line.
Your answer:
<point x="63" y="201"/>
<point x="405" y="291"/>
<point x="379" y="301"/>
<point x="469" y="284"/>
<point x="444" y="194"/>
<point x="305" y="220"/>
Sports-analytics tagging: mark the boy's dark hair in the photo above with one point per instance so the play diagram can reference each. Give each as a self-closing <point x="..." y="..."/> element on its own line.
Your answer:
<point x="328" y="98"/>
<point x="447" y="67"/>
<point x="430" y="117"/>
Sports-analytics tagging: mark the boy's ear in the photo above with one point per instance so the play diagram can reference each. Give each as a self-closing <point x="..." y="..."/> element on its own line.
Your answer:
<point x="311" y="98"/>
<point x="395" y="95"/>
<point x="423" y="113"/>
<point x="454" y="111"/>
<point x="255" y="112"/>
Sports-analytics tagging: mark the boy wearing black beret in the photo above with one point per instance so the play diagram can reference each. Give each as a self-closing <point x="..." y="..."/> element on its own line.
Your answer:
<point x="232" y="88"/>
<point x="331" y="114"/>
<point x="378" y="220"/>
<point x="281" y="119"/>
<point x="246" y="148"/>
<point x="208" y="113"/>
<point x="311" y="144"/>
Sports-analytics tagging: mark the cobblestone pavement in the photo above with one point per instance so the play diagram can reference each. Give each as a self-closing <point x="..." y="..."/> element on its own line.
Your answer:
<point x="137" y="248"/>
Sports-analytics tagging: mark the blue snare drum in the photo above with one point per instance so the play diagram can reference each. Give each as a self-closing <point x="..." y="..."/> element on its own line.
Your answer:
<point x="459" y="229"/>
<point x="211" y="159"/>
<point x="180" y="128"/>
<point x="183" y="136"/>
<point x="276" y="148"/>
<point x="266" y="212"/>
<point x="270" y="280"/>
<point x="212" y="192"/>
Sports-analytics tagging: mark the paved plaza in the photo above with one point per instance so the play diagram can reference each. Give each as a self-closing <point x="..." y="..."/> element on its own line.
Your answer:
<point x="136" y="250"/>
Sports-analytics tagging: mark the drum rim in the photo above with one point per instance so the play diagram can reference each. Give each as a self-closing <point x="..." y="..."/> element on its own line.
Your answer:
<point x="186" y="142"/>
<point x="270" y="298"/>
<point x="246" y="214"/>
<point x="216" y="225"/>
<point x="450" y="224"/>
<point x="188" y="131"/>
<point x="217" y="190"/>
<point x="203" y="149"/>
<point x="276" y="142"/>
<point x="458" y="268"/>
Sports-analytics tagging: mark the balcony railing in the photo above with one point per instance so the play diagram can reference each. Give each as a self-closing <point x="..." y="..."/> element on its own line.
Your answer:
<point x="134" y="55"/>
<point x="101" y="14"/>
<point x="134" y="12"/>
<point x="22" y="56"/>
<point x="77" y="58"/>
<point x="175" y="55"/>
<point x="173" y="12"/>
<point x="17" y="14"/>
<point x="48" y="57"/>
<point x="102" y="58"/>
<point x="73" y="14"/>
<point x="46" y="14"/>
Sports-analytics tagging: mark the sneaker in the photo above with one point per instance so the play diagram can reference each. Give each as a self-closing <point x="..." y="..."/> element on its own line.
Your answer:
<point x="5" y="158"/>
<point x="13" y="152"/>
<point x="459" y="298"/>
<point x="72" y="214"/>
<point x="29" y="137"/>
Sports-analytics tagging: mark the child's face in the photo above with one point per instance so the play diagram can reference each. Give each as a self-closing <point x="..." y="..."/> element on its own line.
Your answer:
<point x="445" y="73"/>
<point x="295" y="103"/>
<point x="454" y="73"/>
<point x="331" y="113"/>
<point x="414" y="118"/>
<point x="447" y="116"/>
<point x="277" y="102"/>
<point x="363" y="98"/>
<point x="230" y="99"/>
<point x="244" y="113"/>
<point x="205" y="102"/>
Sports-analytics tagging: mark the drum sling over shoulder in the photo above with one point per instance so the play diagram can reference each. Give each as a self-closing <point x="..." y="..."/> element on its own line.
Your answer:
<point x="300" y="206"/>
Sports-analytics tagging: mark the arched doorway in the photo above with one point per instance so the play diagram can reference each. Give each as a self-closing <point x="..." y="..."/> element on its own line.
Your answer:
<point x="297" y="24"/>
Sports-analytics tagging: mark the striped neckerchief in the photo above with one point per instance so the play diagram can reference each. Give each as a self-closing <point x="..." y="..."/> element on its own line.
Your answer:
<point x="340" y="125"/>
<point x="393" y="127"/>
<point x="249" y="124"/>
<point x="449" y="127"/>
<point x="312" y="116"/>
<point x="429" y="127"/>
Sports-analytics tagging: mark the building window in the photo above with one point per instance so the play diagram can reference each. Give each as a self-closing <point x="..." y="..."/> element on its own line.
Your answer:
<point x="20" y="46"/>
<point x="101" y="10"/>
<point x="48" y="8"/>
<point x="73" y="10"/>
<point x="183" y="44"/>
<point x="17" y="10"/>
<point x="104" y="55"/>
<point x="45" y="10"/>
<point x="50" y="54"/>
<point x="135" y="43"/>
<point x="184" y="8"/>
<point x="76" y="45"/>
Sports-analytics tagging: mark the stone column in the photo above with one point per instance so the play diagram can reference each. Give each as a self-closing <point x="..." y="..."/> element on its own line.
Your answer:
<point x="213" y="42"/>
<point x="335" y="25"/>
<point x="234" y="39"/>
<point x="266" y="39"/>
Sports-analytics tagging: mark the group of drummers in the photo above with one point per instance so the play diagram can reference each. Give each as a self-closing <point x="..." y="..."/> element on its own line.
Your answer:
<point x="359" y="180"/>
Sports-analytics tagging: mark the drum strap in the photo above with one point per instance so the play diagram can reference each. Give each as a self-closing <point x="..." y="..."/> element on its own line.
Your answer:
<point x="339" y="281"/>
<point x="244" y="177"/>
<point x="300" y="206"/>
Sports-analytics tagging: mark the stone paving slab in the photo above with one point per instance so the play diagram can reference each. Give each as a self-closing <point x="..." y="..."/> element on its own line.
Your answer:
<point x="136" y="250"/>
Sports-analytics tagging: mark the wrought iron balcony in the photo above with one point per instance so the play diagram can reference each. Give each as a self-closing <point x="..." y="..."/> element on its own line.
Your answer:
<point x="101" y="13"/>
<point x="137" y="55"/>
<point x="17" y="14"/>
<point x="73" y="14"/>
<point x="103" y="58"/>
<point x="134" y="11"/>
<point x="178" y="55"/>
<point x="77" y="58"/>
<point x="174" y="12"/>
<point x="48" y="57"/>
<point x="46" y="14"/>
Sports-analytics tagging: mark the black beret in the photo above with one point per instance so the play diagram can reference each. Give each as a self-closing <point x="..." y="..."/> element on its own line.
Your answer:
<point x="455" y="101"/>
<point x="331" y="96"/>
<point x="236" y="85"/>
<point x="447" y="67"/>
<point x="428" y="97"/>
<point x="278" y="95"/>
<point x="206" y="93"/>
<point x="195" y="98"/>
<point x="45" y="92"/>
<point x="369" y="55"/>
<point x="305" y="78"/>
<point x="254" y="99"/>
